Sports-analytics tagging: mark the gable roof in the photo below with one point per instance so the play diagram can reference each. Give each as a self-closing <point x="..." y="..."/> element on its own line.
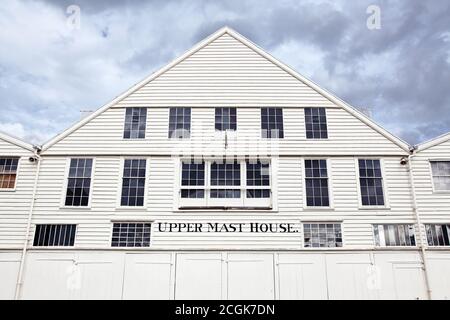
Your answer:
<point x="16" y="141"/>
<point x="433" y="142"/>
<point x="226" y="30"/>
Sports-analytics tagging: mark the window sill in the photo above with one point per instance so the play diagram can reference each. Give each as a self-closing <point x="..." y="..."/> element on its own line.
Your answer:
<point x="74" y="208"/>
<point x="8" y="190"/>
<point x="224" y="209"/>
<point x="130" y="209"/>
<point x="374" y="208"/>
<point x="318" y="208"/>
<point x="444" y="192"/>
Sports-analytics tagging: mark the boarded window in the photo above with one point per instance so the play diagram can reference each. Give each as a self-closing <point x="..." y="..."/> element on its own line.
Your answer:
<point x="272" y="123"/>
<point x="322" y="235"/>
<point x="54" y="235"/>
<point x="8" y="172"/>
<point x="131" y="234"/>
<point x="388" y="235"/>
<point x="79" y="182"/>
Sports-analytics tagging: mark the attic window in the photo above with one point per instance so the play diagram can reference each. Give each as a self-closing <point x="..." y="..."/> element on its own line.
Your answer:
<point x="316" y="123"/>
<point x="8" y="173"/>
<point x="179" y="123"/>
<point x="225" y="119"/>
<point x="135" y="123"/>
<point x="441" y="175"/>
<point x="272" y="123"/>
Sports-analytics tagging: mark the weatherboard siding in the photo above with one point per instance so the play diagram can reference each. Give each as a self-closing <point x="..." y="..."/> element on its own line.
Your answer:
<point x="104" y="136"/>
<point x="15" y="204"/>
<point x="225" y="72"/>
<point x="95" y="223"/>
<point x="434" y="207"/>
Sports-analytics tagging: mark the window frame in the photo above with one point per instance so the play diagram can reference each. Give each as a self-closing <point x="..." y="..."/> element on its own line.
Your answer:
<point x="386" y="205"/>
<point x="304" y="122"/>
<point x="124" y="123"/>
<point x="444" y="246"/>
<point x="66" y="183"/>
<point x="432" y="176"/>
<point x="112" y="222"/>
<point x="261" y="123"/>
<point x="120" y="184"/>
<point x="330" y="185"/>
<point x="235" y="124"/>
<point x="328" y="221"/>
<point x="227" y="204"/>
<point x="383" y="239"/>
<point x="17" y="173"/>
<point x="168" y="125"/>
<point x="55" y="247"/>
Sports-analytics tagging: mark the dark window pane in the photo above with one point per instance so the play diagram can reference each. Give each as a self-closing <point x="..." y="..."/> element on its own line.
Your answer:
<point x="133" y="183"/>
<point x="47" y="235"/>
<point x="131" y="234"/>
<point x="272" y="123"/>
<point x="179" y="122"/>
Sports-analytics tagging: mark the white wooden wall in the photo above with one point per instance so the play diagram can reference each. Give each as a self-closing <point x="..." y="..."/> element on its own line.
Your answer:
<point x="227" y="275"/>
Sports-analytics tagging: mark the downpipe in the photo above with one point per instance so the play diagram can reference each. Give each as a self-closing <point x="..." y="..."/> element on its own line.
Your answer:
<point x="419" y="223"/>
<point x="19" y="283"/>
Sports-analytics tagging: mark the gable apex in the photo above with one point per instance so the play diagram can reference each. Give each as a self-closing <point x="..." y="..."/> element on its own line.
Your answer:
<point x="313" y="87"/>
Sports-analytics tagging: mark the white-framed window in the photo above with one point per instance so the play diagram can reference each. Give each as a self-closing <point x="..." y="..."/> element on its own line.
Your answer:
<point x="133" y="183"/>
<point x="179" y="123"/>
<point x="389" y="235"/>
<point x="131" y="234"/>
<point x="272" y="123"/>
<point x="225" y="119"/>
<point x="316" y="183"/>
<point x="54" y="235"/>
<point x="371" y="183"/>
<point x="441" y="175"/>
<point x="8" y="172"/>
<point x="322" y="235"/>
<point x="316" y="123"/>
<point x="438" y="234"/>
<point x="225" y="183"/>
<point x="135" y="123"/>
<point x="79" y="182"/>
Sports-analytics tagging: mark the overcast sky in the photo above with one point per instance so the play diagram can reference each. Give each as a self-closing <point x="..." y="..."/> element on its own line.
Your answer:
<point x="49" y="71"/>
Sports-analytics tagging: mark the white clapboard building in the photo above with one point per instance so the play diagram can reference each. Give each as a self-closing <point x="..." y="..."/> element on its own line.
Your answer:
<point x="225" y="175"/>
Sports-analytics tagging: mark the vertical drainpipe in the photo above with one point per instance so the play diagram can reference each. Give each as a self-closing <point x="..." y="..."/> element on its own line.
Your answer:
<point x="27" y="233"/>
<point x="419" y="223"/>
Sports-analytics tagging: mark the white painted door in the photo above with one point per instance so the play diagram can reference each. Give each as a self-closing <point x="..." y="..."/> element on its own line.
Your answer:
<point x="250" y="276"/>
<point x="199" y="276"/>
<point x="302" y="276"/>
<point x="350" y="276"/>
<point x="9" y="270"/>
<point x="439" y="272"/>
<point x="148" y="276"/>
<point x="409" y="281"/>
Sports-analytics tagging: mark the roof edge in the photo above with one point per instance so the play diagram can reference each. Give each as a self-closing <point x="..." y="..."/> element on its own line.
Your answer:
<point x="16" y="141"/>
<point x="433" y="142"/>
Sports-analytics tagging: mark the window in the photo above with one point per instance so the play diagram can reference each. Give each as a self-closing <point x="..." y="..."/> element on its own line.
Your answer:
<point x="8" y="172"/>
<point x="131" y="234"/>
<point x="225" y="183"/>
<point x="225" y="119"/>
<point x="438" y="234"/>
<point x="180" y="123"/>
<point x="258" y="179"/>
<point x="441" y="175"/>
<point x="272" y="123"/>
<point x="54" y="235"/>
<point x="316" y="181"/>
<point x="133" y="182"/>
<point x="193" y="176"/>
<point x="79" y="183"/>
<point x="316" y="123"/>
<point x="371" y="182"/>
<point x="387" y="235"/>
<point x="135" y="123"/>
<point x="322" y="235"/>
